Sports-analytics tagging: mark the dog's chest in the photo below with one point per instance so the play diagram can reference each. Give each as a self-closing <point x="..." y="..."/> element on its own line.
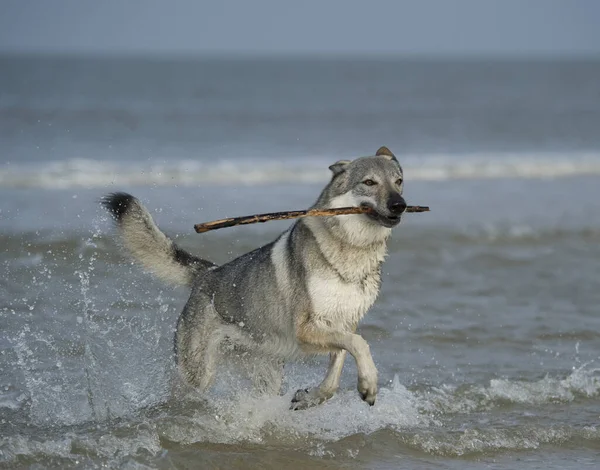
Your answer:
<point x="341" y="304"/>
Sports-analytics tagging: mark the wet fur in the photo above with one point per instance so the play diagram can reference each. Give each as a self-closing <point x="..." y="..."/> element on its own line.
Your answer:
<point x="304" y="293"/>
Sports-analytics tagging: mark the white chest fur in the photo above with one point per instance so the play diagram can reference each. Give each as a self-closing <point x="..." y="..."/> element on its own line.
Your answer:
<point x="340" y="304"/>
<point x="346" y="285"/>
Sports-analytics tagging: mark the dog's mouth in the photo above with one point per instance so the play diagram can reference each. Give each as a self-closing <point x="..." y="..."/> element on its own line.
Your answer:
<point x="388" y="221"/>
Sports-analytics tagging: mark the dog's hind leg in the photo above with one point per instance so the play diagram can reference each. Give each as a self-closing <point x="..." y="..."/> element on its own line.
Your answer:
<point x="305" y="398"/>
<point x="199" y="337"/>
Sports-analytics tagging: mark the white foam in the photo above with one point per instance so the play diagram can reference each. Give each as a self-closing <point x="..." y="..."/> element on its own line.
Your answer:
<point x="244" y="418"/>
<point x="484" y="440"/>
<point x="89" y="173"/>
<point x="409" y="415"/>
<point x="581" y="382"/>
<point x="114" y="449"/>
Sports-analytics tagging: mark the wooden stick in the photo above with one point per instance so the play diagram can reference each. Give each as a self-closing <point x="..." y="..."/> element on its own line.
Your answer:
<point x="252" y="219"/>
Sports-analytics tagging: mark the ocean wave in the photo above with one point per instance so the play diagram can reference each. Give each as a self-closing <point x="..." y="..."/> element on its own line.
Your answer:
<point x="256" y="420"/>
<point x="90" y="173"/>
<point x="341" y="428"/>
<point x="581" y="383"/>
<point x="253" y="420"/>
<point x="147" y="446"/>
<point x="486" y="441"/>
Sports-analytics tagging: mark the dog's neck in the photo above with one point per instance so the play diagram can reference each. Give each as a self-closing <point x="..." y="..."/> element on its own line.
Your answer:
<point x="356" y="230"/>
<point x="355" y="247"/>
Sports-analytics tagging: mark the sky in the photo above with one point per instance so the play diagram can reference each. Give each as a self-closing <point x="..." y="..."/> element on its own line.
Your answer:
<point x="285" y="27"/>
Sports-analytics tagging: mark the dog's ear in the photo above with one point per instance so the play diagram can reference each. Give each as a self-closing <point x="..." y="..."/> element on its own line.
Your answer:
<point x="339" y="167"/>
<point x="385" y="153"/>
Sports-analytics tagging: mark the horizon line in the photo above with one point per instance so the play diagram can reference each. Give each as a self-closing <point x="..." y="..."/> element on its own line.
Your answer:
<point x="258" y="54"/>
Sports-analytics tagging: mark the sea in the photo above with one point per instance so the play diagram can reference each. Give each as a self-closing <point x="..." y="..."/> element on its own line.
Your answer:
<point x="486" y="333"/>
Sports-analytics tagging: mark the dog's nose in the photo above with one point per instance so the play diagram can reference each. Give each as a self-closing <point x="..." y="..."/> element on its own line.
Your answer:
<point x="397" y="206"/>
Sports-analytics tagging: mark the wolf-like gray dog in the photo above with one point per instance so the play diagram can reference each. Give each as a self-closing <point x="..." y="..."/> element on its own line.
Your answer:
<point x="304" y="293"/>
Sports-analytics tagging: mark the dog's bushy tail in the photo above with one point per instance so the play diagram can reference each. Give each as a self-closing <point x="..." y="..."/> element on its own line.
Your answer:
<point x="153" y="249"/>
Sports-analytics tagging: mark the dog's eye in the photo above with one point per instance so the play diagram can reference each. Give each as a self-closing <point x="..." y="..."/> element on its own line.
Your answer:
<point x="370" y="182"/>
<point x="399" y="181"/>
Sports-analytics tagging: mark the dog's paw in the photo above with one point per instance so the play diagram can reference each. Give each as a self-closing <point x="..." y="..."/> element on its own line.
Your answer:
<point x="368" y="390"/>
<point x="307" y="398"/>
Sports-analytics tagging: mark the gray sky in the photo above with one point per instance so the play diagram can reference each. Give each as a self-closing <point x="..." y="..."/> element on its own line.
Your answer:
<point x="417" y="27"/>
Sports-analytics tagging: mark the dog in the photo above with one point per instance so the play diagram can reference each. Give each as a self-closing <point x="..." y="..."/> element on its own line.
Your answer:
<point x="303" y="293"/>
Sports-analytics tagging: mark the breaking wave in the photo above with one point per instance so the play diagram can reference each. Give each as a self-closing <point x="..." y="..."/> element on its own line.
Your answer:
<point x="435" y="421"/>
<point x="89" y="173"/>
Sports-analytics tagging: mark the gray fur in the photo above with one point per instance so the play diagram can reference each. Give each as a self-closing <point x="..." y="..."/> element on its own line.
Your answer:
<point x="304" y="293"/>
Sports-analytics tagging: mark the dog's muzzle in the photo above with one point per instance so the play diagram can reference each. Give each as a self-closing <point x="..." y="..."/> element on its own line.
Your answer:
<point x="396" y="206"/>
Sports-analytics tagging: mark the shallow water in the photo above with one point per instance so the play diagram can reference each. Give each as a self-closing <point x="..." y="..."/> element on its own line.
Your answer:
<point x="486" y="333"/>
<point x="485" y="336"/>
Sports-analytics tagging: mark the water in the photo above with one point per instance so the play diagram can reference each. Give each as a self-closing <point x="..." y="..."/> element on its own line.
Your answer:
<point x="486" y="333"/>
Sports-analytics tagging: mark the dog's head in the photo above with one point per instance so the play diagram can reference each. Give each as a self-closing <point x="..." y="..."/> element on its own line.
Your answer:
<point x="375" y="182"/>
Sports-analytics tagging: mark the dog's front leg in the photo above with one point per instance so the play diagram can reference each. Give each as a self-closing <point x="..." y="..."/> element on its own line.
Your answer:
<point x="331" y="382"/>
<point x="305" y="398"/>
<point x="315" y="337"/>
